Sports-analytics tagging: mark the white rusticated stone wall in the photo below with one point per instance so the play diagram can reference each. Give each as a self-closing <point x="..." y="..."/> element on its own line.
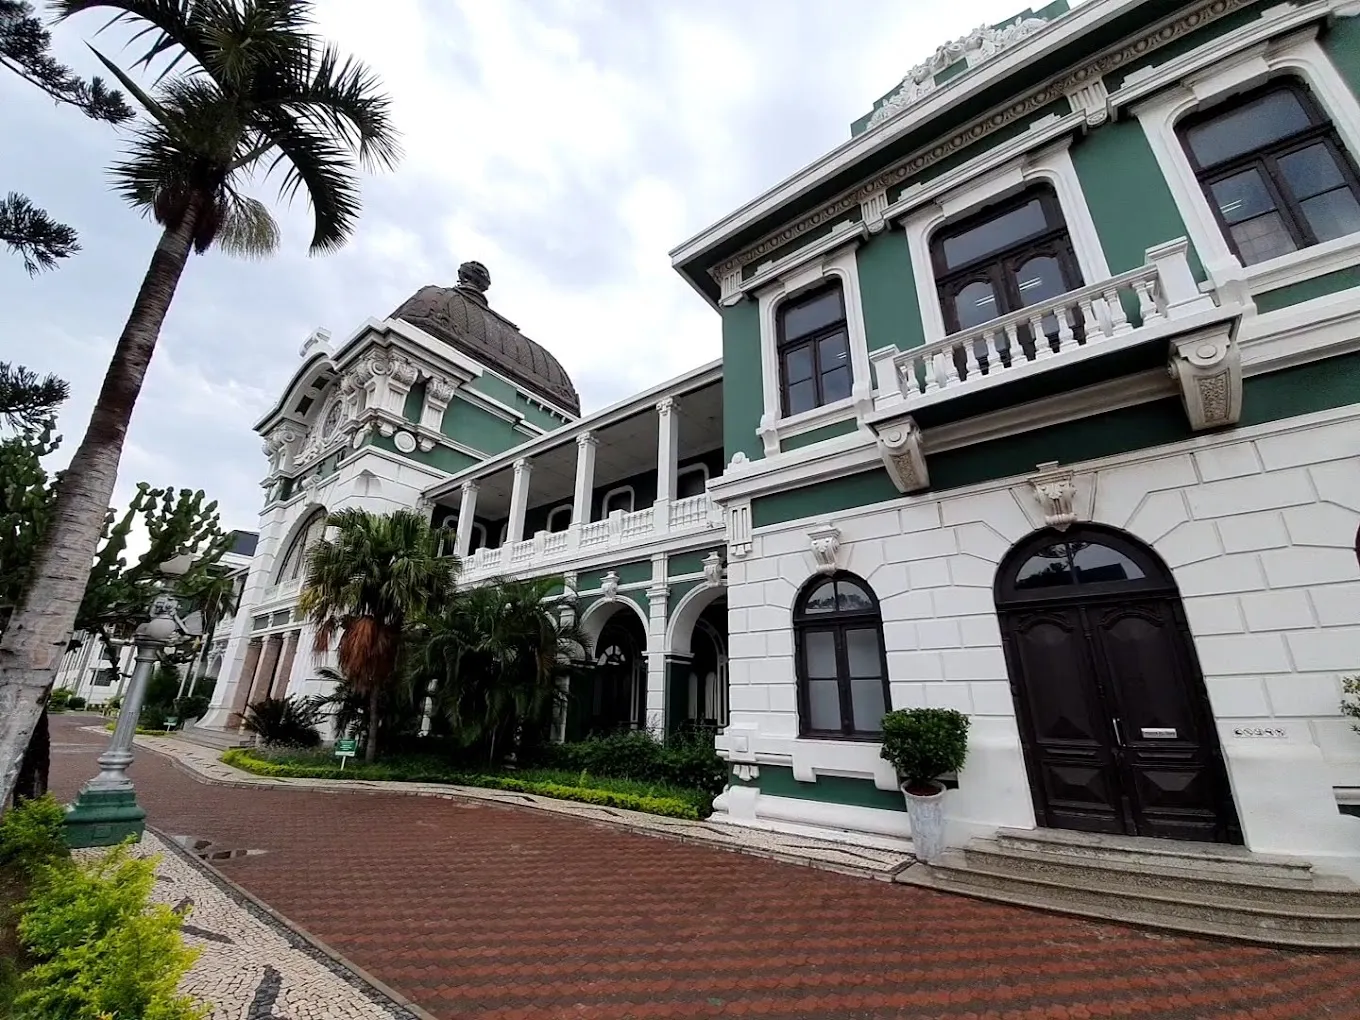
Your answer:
<point x="1258" y="526"/>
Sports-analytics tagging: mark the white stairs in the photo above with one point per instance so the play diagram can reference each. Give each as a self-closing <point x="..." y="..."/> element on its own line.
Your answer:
<point x="1204" y="888"/>
<point x="221" y="740"/>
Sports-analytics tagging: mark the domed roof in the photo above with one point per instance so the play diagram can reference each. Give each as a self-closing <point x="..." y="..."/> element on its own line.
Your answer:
<point x="461" y="317"/>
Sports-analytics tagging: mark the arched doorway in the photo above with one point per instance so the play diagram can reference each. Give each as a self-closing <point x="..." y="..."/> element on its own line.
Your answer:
<point x="617" y="697"/>
<point x="1114" y="717"/>
<point x="705" y="689"/>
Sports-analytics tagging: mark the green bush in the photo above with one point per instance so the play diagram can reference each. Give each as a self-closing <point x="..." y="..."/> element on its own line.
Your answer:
<point x="32" y="835"/>
<point x="152" y="718"/>
<point x="924" y="743"/>
<point x="163" y="686"/>
<point x="76" y="704"/>
<point x="284" y="722"/>
<point x="58" y="700"/>
<point x="690" y="804"/>
<point x="688" y="761"/>
<point x="101" y="950"/>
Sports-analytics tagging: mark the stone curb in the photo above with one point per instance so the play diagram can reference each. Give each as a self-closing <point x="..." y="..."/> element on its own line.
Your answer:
<point x="377" y="988"/>
<point x="619" y="818"/>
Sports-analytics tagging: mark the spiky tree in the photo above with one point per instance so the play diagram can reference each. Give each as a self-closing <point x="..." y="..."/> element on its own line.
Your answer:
<point x="364" y="585"/>
<point x="26" y="50"/>
<point x="248" y="91"/>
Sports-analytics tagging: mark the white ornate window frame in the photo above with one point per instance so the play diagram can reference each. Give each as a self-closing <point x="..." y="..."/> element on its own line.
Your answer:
<point x="553" y="513"/>
<point x="1051" y="165"/>
<point x="1299" y="56"/>
<point x="840" y="264"/>
<point x="618" y="491"/>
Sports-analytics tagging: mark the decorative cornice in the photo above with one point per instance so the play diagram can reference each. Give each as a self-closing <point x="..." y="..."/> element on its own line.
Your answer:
<point x="1057" y="88"/>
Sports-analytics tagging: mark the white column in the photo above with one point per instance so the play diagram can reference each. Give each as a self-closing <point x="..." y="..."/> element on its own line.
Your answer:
<point x="667" y="455"/>
<point x="519" y="502"/>
<point x="467" y="511"/>
<point x="585" y="477"/>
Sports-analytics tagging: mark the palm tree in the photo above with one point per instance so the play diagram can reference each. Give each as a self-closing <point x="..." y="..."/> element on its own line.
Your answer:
<point x="249" y="90"/>
<point x="215" y="597"/>
<point x="365" y="584"/>
<point x="499" y="655"/>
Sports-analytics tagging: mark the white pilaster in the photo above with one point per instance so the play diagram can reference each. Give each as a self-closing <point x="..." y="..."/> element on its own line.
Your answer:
<point x="667" y="456"/>
<point x="438" y="393"/>
<point x="519" y="502"/>
<point x="658" y="596"/>
<point x="467" y="510"/>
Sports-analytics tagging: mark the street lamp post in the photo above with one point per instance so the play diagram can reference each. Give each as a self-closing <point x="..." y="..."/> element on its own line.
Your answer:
<point x="106" y="811"/>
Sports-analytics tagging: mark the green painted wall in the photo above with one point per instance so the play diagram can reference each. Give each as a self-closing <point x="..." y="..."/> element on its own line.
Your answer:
<point x="778" y="781"/>
<point x="1334" y="382"/>
<point x="743" y="393"/>
<point x="688" y="563"/>
<point x="1319" y="286"/>
<point x="887" y="286"/>
<point x="499" y="389"/>
<point x="415" y="403"/>
<point x="479" y="429"/>
<point x="629" y="573"/>
<point x="1129" y="199"/>
<point x="1342" y="43"/>
<point x="441" y="457"/>
<point x="839" y="428"/>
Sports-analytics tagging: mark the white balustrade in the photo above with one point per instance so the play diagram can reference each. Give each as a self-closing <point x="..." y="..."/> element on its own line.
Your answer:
<point x="595" y="533"/>
<point x="522" y="552"/>
<point x="554" y="543"/>
<point x="1079" y="318"/>
<point x="691" y="512"/>
<point x="637" y="523"/>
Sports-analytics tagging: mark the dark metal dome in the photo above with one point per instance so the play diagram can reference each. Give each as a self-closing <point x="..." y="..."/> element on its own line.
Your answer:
<point x="461" y="317"/>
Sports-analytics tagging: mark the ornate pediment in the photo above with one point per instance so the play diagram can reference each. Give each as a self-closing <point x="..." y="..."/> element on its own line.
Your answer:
<point x="977" y="47"/>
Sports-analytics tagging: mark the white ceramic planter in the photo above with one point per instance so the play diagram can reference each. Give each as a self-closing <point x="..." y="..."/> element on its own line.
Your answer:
<point x="927" y="823"/>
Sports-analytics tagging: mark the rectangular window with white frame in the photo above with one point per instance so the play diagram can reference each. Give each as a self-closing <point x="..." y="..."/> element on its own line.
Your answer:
<point x="814" y="351"/>
<point x="1260" y="152"/>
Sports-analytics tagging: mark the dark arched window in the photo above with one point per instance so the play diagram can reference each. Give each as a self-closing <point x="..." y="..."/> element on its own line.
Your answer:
<point x="841" y="664"/>
<point x="294" y="562"/>
<point x="1088" y="560"/>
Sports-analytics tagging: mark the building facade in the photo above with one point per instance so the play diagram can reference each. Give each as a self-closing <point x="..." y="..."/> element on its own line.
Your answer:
<point x="1038" y="400"/>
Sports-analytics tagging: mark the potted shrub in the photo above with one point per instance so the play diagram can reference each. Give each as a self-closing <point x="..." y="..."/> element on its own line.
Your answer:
<point x="923" y="744"/>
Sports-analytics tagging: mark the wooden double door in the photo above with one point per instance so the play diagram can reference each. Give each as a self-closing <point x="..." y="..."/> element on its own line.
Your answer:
<point x="1114" y="717"/>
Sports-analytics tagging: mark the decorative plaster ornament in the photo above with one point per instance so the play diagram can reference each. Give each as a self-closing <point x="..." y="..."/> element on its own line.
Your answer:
<point x="713" y="570"/>
<point x="404" y="442"/>
<point x="1056" y="491"/>
<point x="826" y="547"/>
<point x="1208" y="369"/>
<point x="902" y="452"/>
<point x="609" y="585"/>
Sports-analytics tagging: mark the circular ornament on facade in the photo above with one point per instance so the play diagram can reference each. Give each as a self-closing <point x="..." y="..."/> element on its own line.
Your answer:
<point x="404" y="442"/>
<point x="333" y="415"/>
<point x="358" y="439"/>
<point x="1207" y="351"/>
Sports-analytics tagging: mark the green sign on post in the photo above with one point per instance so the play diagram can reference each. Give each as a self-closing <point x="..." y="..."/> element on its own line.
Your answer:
<point x="345" y="749"/>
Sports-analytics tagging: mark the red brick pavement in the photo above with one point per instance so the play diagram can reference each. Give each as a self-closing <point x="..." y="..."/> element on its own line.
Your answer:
<point x="501" y="914"/>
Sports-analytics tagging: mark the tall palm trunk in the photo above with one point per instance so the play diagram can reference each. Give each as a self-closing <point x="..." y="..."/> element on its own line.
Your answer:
<point x="36" y="637"/>
<point x="371" y="745"/>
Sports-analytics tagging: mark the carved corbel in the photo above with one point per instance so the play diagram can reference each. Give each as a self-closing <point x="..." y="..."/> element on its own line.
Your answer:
<point x="1208" y="369"/>
<point x="609" y="585"/>
<point x="713" y="570"/>
<point x="1056" y="490"/>
<point x="826" y="547"/>
<point x="903" y="453"/>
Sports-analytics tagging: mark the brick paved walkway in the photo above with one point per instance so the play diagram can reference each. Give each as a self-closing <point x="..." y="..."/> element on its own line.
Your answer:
<point x="498" y="914"/>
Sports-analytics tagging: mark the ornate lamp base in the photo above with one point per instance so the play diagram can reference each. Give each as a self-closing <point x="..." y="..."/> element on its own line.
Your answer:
<point x="104" y="818"/>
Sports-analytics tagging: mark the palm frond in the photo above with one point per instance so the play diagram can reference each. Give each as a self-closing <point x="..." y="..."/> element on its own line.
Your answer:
<point x="248" y="229"/>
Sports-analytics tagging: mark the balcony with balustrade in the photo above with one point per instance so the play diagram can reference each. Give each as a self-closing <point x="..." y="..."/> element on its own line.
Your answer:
<point x="625" y="482"/>
<point x="1128" y="321"/>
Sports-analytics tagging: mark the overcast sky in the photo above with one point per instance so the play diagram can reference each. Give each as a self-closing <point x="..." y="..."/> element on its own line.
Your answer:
<point x="566" y="144"/>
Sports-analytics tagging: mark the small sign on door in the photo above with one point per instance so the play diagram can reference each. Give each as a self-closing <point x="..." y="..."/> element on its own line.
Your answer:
<point x="1158" y="733"/>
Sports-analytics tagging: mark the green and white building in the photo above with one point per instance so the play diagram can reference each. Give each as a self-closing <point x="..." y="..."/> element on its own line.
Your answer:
<point x="1039" y="399"/>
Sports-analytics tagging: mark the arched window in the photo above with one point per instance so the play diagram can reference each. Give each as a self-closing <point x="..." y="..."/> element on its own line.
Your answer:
<point x="294" y="562"/>
<point x="841" y="664"/>
<point x="559" y="519"/>
<point x="1086" y="561"/>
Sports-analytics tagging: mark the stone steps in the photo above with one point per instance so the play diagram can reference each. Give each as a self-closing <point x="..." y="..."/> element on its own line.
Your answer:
<point x="220" y="740"/>
<point x="1208" y="889"/>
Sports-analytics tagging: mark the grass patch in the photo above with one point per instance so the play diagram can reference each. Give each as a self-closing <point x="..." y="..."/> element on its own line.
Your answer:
<point x="630" y="794"/>
<point x="142" y="731"/>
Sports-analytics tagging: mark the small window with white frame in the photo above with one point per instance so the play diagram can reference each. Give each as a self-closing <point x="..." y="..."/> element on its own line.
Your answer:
<point x="618" y="499"/>
<point x="1274" y="171"/>
<point x="814" y="350"/>
<point x="691" y="481"/>
<point x="560" y="518"/>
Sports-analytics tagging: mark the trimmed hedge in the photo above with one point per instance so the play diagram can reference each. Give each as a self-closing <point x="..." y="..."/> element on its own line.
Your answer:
<point x="670" y="807"/>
